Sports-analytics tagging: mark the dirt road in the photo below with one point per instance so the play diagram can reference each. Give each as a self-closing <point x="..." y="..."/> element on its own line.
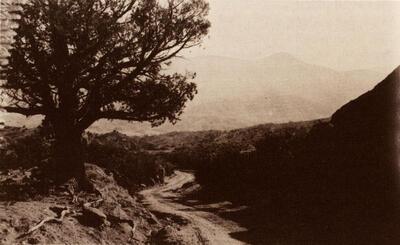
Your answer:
<point x="196" y="227"/>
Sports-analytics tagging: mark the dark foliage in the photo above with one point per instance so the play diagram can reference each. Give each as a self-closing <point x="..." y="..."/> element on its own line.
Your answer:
<point x="21" y="147"/>
<point x="131" y="165"/>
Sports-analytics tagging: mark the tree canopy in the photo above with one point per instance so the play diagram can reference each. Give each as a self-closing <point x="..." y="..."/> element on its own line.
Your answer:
<point x="77" y="61"/>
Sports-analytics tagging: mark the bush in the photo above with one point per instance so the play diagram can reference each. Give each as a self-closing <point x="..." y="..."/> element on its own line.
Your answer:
<point x="23" y="148"/>
<point x="130" y="165"/>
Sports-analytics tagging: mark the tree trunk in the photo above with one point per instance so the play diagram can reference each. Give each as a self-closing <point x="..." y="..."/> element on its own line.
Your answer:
<point x="69" y="156"/>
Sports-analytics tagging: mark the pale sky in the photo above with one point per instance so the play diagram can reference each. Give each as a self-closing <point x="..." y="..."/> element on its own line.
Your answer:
<point x="340" y="35"/>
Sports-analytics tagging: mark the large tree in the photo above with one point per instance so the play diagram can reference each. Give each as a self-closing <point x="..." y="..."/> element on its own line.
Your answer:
<point x="78" y="61"/>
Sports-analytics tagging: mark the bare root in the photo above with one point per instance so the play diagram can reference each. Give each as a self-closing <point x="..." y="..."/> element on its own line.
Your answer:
<point x="134" y="226"/>
<point x="46" y="220"/>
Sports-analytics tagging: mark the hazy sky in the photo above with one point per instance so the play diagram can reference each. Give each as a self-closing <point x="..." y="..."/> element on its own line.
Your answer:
<point x="340" y="35"/>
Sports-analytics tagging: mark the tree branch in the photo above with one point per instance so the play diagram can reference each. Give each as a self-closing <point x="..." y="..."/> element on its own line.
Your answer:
<point x="24" y="111"/>
<point x="122" y="115"/>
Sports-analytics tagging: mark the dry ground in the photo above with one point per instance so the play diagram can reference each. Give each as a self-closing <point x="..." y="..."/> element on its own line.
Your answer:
<point x="186" y="224"/>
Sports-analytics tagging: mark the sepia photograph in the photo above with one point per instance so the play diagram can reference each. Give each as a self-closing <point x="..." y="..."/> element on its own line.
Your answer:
<point x="199" y="122"/>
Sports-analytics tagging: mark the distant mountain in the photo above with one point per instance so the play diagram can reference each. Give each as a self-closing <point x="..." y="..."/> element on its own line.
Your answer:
<point x="236" y="93"/>
<point x="279" y="74"/>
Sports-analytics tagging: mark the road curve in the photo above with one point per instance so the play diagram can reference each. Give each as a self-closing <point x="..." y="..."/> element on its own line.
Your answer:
<point x="210" y="229"/>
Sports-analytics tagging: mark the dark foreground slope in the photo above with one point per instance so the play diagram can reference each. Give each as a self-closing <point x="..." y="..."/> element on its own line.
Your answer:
<point x="365" y="133"/>
<point x="358" y="153"/>
<point x="336" y="183"/>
